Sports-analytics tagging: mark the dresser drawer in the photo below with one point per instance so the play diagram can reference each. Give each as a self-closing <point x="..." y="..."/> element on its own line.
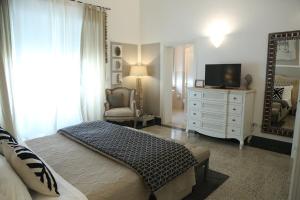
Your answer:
<point x="233" y="131"/>
<point x="235" y="109"/>
<point x="193" y="124"/>
<point x="215" y="96"/>
<point x="215" y="117"/>
<point x="194" y="105"/>
<point x="195" y="94"/>
<point x="213" y="106"/>
<point x="235" y="120"/>
<point x="213" y="129"/>
<point x="194" y="114"/>
<point x="235" y="98"/>
<point x="208" y="125"/>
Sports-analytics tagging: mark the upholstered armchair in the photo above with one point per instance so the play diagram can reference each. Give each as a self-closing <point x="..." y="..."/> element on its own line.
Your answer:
<point x="120" y="105"/>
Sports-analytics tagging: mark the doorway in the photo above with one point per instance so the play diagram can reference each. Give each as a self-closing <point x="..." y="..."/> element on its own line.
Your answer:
<point x="182" y="78"/>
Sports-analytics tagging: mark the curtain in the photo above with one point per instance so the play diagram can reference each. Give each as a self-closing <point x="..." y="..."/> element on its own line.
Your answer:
<point x="93" y="64"/>
<point x="6" y="117"/>
<point x="45" y="73"/>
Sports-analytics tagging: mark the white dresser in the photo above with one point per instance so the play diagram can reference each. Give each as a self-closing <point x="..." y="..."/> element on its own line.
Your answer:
<point x="221" y="113"/>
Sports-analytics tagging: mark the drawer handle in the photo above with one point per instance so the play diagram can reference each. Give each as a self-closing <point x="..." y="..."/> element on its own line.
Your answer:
<point x="194" y="113"/>
<point x="234" y="98"/>
<point x="234" y="109"/>
<point x="232" y="130"/>
<point x="195" y="104"/>
<point x="233" y="120"/>
<point x="194" y="122"/>
<point x="195" y="95"/>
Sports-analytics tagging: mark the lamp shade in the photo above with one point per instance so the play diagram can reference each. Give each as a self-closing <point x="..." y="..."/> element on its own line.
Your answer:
<point x="138" y="70"/>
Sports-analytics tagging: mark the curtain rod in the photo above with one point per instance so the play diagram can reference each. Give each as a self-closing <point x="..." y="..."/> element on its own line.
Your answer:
<point x="105" y="8"/>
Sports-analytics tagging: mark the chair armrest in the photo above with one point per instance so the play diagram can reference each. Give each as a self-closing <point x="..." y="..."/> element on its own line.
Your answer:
<point x="106" y="106"/>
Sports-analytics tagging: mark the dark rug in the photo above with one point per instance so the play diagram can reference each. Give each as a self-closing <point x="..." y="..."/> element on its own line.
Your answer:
<point x="139" y="125"/>
<point x="203" y="189"/>
<point x="271" y="145"/>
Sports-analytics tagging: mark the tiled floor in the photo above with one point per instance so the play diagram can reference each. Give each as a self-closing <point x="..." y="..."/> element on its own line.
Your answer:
<point x="178" y="119"/>
<point x="254" y="173"/>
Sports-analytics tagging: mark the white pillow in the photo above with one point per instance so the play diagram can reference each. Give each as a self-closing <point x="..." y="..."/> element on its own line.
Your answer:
<point x="33" y="171"/>
<point x="287" y="93"/>
<point x="11" y="186"/>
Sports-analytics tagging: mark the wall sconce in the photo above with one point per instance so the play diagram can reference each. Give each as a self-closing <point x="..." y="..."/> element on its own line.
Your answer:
<point x="217" y="39"/>
<point x="217" y="32"/>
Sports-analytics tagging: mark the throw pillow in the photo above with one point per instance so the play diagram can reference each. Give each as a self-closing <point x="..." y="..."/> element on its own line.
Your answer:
<point x="277" y="93"/>
<point x="116" y="100"/>
<point x="32" y="170"/>
<point x="5" y="136"/>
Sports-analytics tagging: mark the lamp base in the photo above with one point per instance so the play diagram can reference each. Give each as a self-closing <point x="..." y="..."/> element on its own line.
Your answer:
<point x="139" y="91"/>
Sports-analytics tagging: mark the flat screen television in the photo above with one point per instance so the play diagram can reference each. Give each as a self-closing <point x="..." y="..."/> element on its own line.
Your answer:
<point x="223" y="75"/>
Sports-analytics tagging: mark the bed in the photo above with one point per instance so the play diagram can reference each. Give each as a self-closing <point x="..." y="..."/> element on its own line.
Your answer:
<point x="101" y="178"/>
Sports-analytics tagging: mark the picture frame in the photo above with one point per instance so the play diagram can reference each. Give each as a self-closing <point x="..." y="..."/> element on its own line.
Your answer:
<point x="117" y="64"/>
<point x="117" y="51"/>
<point x="117" y="78"/>
<point x="199" y="83"/>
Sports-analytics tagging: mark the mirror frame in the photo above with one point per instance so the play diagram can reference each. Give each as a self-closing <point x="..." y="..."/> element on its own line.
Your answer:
<point x="269" y="85"/>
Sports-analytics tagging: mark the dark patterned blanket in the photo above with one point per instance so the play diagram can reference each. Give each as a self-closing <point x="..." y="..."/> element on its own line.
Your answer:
<point x="156" y="160"/>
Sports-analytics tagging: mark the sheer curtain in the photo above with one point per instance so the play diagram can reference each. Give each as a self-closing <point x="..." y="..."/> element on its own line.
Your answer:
<point x="45" y="73"/>
<point x="6" y="118"/>
<point x="93" y="64"/>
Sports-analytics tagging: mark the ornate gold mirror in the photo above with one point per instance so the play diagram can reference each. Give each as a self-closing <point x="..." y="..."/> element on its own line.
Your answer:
<point x="282" y="83"/>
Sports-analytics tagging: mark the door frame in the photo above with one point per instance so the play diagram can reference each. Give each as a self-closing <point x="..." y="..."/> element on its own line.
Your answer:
<point x="166" y="81"/>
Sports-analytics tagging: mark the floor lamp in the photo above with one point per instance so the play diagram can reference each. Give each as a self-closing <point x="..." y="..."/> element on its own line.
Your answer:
<point x="139" y="71"/>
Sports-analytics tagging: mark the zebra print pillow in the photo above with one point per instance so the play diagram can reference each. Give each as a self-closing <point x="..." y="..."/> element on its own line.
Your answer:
<point x="277" y="93"/>
<point x="33" y="171"/>
<point x="5" y="137"/>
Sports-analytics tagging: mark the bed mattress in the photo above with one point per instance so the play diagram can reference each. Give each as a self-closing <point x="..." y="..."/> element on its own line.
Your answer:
<point x="99" y="177"/>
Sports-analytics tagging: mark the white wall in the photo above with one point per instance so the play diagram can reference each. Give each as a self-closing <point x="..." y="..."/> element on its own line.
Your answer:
<point x="123" y="19"/>
<point x="180" y="21"/>
<point x="150" y="56"/>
